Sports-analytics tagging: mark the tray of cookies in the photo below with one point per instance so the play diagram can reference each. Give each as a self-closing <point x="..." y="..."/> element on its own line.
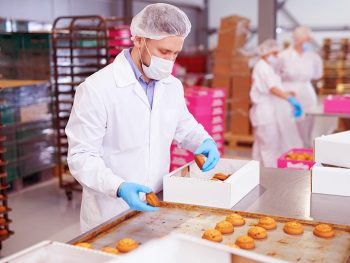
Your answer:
<point x="282" y="238"/>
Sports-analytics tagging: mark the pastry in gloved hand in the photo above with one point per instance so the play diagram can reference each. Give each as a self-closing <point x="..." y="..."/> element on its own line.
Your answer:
<point x="130" y="194"/>
<point x="152" y="199"/>
<point x="209" y="150"/>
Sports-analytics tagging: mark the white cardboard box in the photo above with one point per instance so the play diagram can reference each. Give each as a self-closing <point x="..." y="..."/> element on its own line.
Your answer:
<point x="186" y="249"/>
<point x="189" y="185"/>
<point x="330" y="180"/>
<point x="333" y="149"/>
<point x="56" y="252"/>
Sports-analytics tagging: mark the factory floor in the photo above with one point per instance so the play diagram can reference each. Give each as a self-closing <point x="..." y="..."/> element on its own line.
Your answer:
<point x="42" y="212"/>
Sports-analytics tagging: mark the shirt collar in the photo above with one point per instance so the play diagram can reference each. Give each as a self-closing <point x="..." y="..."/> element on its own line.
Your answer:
<point x="137" y="72"/>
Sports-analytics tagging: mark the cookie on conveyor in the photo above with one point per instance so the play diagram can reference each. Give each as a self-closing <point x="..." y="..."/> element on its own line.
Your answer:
<point x="220" y="176"/>
<point x="200" y="160"/>
<point x="224" y="227"/>
<point x="257" y="232"/>
<point x="267" y="222"/>
<point x="212" y="235"/>
<point x="235" y="219"/>
<point x="293" y="228"/>
<point x="111" y="250"/>
<point x="215" y="179"/>
<point x="233" y="245"/>
<point x="324" y="230"/>
<point x="245" y="242"/>
<point x="152" y="199"/>
<point x="2" y="220"/>
<point x="125" y="245"/>
<point x="83" y="244"/>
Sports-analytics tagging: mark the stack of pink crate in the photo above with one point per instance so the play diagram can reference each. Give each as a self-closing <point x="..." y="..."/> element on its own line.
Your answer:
<point x="207" y="105"/>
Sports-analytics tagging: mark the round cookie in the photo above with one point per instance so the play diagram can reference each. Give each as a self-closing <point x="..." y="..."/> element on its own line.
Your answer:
<point x="111" y="250"/>
<point x="3" y="208"/>
<point x="200" y="160"/>
<point x="235" y="219"/>
<point x="324" y="231"/>
<point x="245" y="242"/>
<point x="293" y="228"/>
<point x="224" y="227"/>
<point x="84" y="244"/>
<point x="214" y="179"/>
<point x="212" y="235"/>
<point x="232" y="245"/>
<point x="267" y="222"/>
<point x="152" y="199"/>
<point x="2" y="220"/>
<point x="257" y="232"/>
<point x="125" y="245"/>
<point x="220" y="176"/>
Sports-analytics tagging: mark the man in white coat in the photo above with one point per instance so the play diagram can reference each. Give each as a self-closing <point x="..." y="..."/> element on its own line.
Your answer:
<point x="298" y="65"/>
<point x="125" y="117"/>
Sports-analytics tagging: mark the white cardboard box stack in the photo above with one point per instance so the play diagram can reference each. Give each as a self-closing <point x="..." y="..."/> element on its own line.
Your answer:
<point x="331" y="173"/>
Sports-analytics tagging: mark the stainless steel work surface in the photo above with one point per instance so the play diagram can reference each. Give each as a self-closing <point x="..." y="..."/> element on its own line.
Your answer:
<point x="287" y="192"/>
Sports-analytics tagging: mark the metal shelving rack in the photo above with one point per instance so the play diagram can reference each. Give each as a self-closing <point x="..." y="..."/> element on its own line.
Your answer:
<point x="81" y="45"/>
<point x="5" y="232"/>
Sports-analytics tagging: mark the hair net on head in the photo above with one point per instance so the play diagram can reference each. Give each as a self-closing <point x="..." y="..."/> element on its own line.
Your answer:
<point x="268" y="46"/>
<point x="301" y="32"/>
<point x="158" y="21"/>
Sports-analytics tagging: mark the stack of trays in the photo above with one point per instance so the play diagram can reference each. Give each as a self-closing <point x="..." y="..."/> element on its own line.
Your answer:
<point x="331" y="173"/>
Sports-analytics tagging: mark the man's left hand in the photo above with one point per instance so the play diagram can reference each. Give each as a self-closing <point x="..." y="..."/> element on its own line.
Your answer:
<point x="209" y="150"/>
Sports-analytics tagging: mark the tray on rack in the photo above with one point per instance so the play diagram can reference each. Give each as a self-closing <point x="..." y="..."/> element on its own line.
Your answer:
<point x="193" y="220"/>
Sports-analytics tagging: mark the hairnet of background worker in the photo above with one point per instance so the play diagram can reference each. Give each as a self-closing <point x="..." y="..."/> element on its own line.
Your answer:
<point x="125" y="117"/>
<point x="274" y="109"/>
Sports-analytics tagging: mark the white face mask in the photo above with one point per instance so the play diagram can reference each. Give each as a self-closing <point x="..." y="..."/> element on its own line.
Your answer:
<point x="272" y="59"/>
<point x="159" y="68"/>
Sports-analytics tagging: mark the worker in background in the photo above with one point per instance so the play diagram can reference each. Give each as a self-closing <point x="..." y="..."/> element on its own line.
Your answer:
<point x="298" y="65"/>
<point x="125" y="117"/>
<point x="274" y="109"/>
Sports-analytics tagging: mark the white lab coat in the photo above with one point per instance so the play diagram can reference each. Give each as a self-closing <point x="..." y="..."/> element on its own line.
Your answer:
<point x="275" y="129"/>
<point x="114" y="136"/>
<point x="297" y="72"/>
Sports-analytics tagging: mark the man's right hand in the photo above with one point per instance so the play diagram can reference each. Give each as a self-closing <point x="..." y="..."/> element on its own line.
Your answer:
<point x="130" y="194"/>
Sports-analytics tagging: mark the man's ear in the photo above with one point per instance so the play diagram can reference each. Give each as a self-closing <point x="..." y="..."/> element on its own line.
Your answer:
<point x="137" y="41"/>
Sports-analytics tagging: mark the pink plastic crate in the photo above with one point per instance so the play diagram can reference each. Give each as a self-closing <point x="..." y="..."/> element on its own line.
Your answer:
<point x="216" y="92"/>
<point x="119" y="31"/>
<point x="282" y="162"/>
<point x="121" y="42"/>
<point x="337" y="104"/>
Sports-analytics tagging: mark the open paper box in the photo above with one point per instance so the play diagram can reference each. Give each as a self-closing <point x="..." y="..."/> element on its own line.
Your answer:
<point x="186" y="249"/>
<point x="189" y="185"/>
<point x="333" y="149"/>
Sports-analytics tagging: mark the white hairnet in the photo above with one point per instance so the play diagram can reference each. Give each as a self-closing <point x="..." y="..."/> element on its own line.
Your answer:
<point x="268" y="46"/>
<point x="301" y="33"/>
<point x="158" y="21"/>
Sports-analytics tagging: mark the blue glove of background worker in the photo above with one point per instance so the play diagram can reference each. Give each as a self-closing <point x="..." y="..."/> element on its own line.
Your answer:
<point x="130" y="194"/>
<point x="298" y="111"/>
<point x="209" y="150"/>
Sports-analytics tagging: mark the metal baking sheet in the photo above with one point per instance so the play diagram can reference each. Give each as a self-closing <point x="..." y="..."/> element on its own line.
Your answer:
<point x="193" y="220"/>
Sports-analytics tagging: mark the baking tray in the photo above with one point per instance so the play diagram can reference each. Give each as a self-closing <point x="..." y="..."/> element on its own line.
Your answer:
<point x="193" y="220"/>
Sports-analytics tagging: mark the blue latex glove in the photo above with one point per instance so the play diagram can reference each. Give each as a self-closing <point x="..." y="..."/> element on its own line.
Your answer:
<point x="209" y="150"/>
<point x="130" y="194"/>
<point x="298" y="110"/>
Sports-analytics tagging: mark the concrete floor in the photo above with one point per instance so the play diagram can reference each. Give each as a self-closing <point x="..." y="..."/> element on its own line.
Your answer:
<point x="42" y="212"/>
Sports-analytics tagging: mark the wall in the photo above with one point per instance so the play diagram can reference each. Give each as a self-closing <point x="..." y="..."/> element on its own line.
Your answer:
<point x="311" y="12"/>
<point x="50" y="9"/>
